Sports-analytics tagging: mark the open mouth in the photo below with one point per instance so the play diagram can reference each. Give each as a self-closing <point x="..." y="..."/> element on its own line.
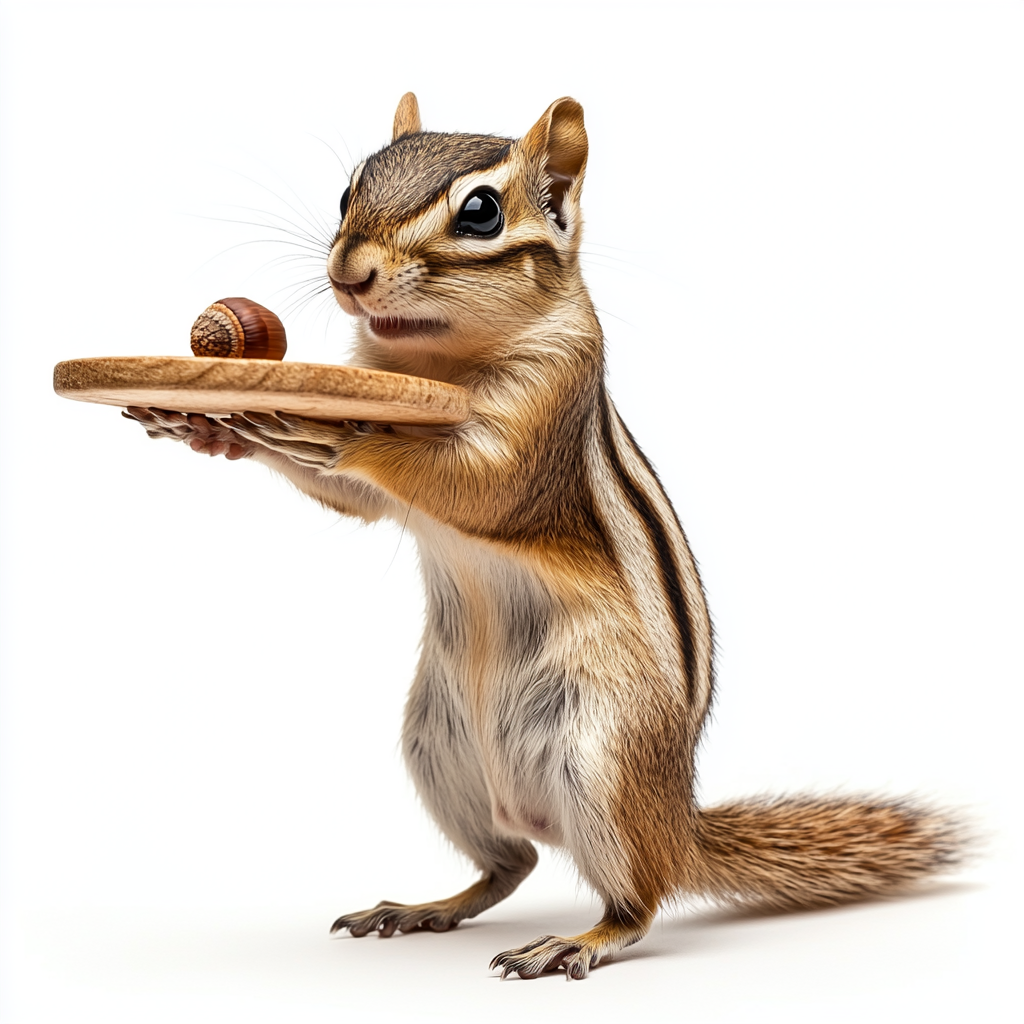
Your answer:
<point x="397" y="327"/>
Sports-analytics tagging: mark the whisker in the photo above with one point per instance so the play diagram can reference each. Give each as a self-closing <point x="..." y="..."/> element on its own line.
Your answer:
<point x="300" y="228"/>
<point x="305" y="294"/>
<point x="308" y="239"/>
<point x="311" y="219"/>
<point x="351" y="159"/>
<point x="604" y="256"/>
<point x="331" y="307"/>
<point x="347" y="169"/>
<point x="261" y="241"/>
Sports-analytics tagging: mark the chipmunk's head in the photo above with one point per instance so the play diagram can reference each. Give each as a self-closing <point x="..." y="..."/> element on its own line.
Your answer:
<point x="453" y="243"/>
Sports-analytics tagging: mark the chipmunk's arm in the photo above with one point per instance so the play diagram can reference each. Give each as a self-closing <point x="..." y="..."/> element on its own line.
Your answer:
<point x="470" y="477"/>
<point x="211" y="436"/>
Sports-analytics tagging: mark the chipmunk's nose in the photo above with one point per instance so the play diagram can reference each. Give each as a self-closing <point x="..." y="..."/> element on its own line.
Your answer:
<point x="350" y="283"/>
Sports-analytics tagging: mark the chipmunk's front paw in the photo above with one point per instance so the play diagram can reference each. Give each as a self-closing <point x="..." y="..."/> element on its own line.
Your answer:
<point x="386" y="918"/>
<point x="200" y="433"/>
<point x="307" y="442"/>
<point x="547" y="954"/>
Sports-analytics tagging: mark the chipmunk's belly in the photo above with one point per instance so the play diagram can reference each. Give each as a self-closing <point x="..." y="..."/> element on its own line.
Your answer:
<point x="518" y="710"/>
<point x="521" y="725"/>
<point x="489" y="624"/>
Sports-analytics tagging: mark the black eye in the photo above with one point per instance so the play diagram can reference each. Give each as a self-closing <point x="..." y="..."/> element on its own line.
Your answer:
<point x="480" y="215"/>
<point x="344" y="201"/>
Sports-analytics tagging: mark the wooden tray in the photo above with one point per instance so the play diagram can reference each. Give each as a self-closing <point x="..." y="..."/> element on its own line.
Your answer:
<point x="221" y="386"/>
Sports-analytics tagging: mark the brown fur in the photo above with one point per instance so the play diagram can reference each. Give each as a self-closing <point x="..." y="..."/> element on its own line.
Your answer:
<point x="812" y="851"/>
<point x="567" y="660"/>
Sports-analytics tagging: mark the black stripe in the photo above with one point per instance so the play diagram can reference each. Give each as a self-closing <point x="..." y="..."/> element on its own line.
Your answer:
<point x="542" y="252"/>
<point x="638" y="452"/>
<point x="663" y="549"/>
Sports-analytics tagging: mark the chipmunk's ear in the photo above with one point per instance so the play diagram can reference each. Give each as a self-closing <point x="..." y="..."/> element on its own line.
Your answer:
<point x="559" y="142"/>
<point x="407" y="116"/>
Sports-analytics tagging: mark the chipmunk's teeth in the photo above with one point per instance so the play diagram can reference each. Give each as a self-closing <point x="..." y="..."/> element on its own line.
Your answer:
<point x="394" y="325"/>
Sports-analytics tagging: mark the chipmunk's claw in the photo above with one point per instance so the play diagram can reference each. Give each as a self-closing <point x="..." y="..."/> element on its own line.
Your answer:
<point x="545" y="955"/>
<point x="202" y="433"/>
<point x="315" y="449"/>
<point x="386" y="918"/>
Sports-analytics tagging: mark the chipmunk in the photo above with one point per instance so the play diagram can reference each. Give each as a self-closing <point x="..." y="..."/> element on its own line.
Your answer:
<point x="566" y="667"/>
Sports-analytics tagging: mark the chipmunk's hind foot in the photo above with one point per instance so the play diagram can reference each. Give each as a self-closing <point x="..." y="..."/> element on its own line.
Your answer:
<point x="578" y="953"/>
<point x="386" y="918"/>
<point x="547" y="954"/>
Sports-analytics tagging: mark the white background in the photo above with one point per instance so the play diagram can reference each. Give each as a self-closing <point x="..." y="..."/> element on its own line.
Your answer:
<point x="805" y="237"/>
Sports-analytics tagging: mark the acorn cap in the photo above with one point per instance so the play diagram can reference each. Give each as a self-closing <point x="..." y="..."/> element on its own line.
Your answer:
<point x="238" y="328"/>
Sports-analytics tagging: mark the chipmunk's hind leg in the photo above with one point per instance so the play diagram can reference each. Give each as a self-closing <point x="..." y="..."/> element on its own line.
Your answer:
<point x="446" y="770"/>
<point x="623" y="837"/>
<point x="621" y="926"/>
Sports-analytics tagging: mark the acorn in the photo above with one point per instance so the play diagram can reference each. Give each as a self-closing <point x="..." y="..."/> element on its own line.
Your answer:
<point x="238" y="329"/>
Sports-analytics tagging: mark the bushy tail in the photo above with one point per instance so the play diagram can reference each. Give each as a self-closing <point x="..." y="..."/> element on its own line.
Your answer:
<point x="811" y="851"/>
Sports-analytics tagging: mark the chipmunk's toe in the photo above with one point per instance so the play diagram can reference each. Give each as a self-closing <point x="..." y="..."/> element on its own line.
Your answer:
<point x="203" y="434"/>
<point x="544" y="955"/>
<point x="386" y="918"/>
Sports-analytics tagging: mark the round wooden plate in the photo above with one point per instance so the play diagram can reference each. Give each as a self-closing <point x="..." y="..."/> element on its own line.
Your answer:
<point x="222" y="386"/>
